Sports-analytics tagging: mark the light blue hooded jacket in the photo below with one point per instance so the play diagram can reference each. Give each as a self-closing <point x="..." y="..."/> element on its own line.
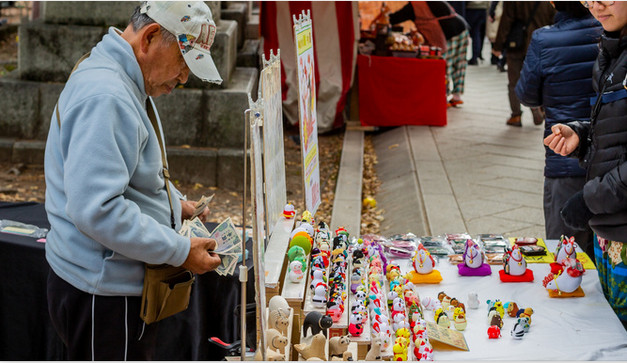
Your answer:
<point x="105" y="192"/>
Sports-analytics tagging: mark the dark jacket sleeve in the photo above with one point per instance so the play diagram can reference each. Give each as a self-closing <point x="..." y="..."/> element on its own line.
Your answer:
<point x="612" y="186"/>
<point x="582" y="129"/>
<point x="529" y="86"/>
<point x="507" y="19"/>
<point x="405" y="13"/>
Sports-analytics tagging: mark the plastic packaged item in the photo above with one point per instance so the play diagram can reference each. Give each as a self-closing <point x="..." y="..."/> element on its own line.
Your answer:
<point x="437" y="245"/>
<point x="22" y="229"/>
<point x="457" y="241"/>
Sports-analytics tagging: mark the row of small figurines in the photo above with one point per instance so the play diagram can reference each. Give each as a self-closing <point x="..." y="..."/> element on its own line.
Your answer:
<point x="514" y="265"/>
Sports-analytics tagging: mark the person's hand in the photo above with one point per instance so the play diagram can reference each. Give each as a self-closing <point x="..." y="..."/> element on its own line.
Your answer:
<point x="563" y="140"/>
<point x="576" y="213"/>
<point x="200" y="258"/>
<point x="188" y="208"/>
<point x="491" y="18"/>
<point x="497" y="53"/>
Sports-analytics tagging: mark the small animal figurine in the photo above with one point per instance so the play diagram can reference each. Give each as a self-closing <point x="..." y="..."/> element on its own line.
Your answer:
<point x="355" y="326"/>
<point x="295" y="271"/>
<point x="400" y="349"/>
<point x="525" y="322"/>
<point x="398" y="306"/>
<point x="459" y="319"/>
<point x="566" y="248"/>
<point x="338" y="345"/>
<point x="524" y="312"/>
<point x="473" y="256"/>
<point x="276" y="341"/>
<point x="473" y="300"/>
<point x="446" y="302"/>
<point x="512" y="308"/>
<point x="271" y="355"/>
<point x="320" y="294"/>
<point x="375" y="350"/>
<point x="278" y="321"/>
<point x="495" y="319"/>
<point x="496" y="305"/>
<point x="424" y="351"/>
<point x="316" y="322"/>
<point x="513" y="262"/>
<point x="430" y="303"/>
<point x="518" y="331"/>
<point x="567" y="280"/>
<point x="289" y="211"/>
<point x="441" y="318"/>
<point x="422" y="261"/>
<point x="313" y="350"/>
<point x="494" y="332"/>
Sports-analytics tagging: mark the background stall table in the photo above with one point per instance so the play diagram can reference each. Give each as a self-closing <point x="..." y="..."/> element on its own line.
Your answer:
<point x="26" y="332"/>
<point x="396" y="91"/>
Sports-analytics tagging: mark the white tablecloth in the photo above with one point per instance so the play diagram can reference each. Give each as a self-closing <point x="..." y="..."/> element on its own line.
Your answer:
<point x="584" y="328"/>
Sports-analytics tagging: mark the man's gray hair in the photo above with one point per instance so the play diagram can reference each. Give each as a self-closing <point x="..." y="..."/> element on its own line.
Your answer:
<point x="139" y="20"/>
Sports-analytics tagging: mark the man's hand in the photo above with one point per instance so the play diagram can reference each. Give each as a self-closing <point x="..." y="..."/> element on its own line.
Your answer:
<point x="200" y="258"/>
<point x="563" y="140"/>
<point x="188" y="208"/>
<point x="497" y="53"/>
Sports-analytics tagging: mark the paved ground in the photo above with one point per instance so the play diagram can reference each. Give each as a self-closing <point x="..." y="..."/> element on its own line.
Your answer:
<point x="476" y="175"/>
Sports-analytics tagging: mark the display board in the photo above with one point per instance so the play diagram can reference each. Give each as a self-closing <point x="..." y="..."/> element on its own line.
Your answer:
<point x="273" y="153"/>
<point x="258" y="220"/>
<point x="303" y="36"/>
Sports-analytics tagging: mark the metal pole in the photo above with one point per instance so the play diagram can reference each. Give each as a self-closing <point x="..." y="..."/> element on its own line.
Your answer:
<point x="243" y="270"/>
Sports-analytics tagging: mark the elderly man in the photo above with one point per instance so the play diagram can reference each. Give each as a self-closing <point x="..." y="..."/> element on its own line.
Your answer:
<point x="110" y="204"/>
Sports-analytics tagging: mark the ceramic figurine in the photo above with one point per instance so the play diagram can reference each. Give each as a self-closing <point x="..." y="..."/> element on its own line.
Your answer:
<point x="473" y="300"/>
<point x="289" y="211"/>
<point x="495" y="319"/>
<point x="346" y="356"/>
<point x="295" y="271"/>
<point x="474" y="261"/>
<point x="400" y="349"/>
<point x="430" y="303"/>
<point x="338" y="345"/>
<point x="375" y="350"/>
<point x="524" y="312"/>
<point x="515" y="267"/>
<point x="511" y="308"/>
<point x="568" y="280"/>
<point x="316" y="323"/>
<point x="494" y="332"/>
<point x="278" y="321"/>
<point x="275" y="340"/>
<point x="517" y="331"/>
<point x="446" y="301"/>
<point x="398" y="306"/>
<point x="303" y="239"/>
<point x="307" y="218"/>
<point x="496" y="305"/>
<point x="525" y="322"/>
<point x="424" y="271"/>
<point x="355" y="326"/>
<point x="400" y="321"/>
<point x="315" y="349"/>
<point x="459" y="319"/>
<point x="424" y="351"/>
<point x="566" y="248"/>
<point x="271" y="355"/>
<point x="441" y="318"/>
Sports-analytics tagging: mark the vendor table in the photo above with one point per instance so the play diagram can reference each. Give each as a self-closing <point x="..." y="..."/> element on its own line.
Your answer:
<point x="26" y="332"/>
<point x="396" y="91"/>
<point x="584" y="328"/>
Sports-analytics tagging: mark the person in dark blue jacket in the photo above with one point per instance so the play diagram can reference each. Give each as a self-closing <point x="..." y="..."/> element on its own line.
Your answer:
<point x="557" y="76"/>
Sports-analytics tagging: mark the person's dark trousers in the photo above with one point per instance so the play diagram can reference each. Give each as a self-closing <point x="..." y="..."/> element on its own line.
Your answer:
<point x="95" y="327"/>
<point x="515" y="59"/>
<point x="476" y="18"/>
<point x="556" y="192"/>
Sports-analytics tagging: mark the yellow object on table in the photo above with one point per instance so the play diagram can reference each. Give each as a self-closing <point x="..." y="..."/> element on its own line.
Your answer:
<point x="434" y="277"/>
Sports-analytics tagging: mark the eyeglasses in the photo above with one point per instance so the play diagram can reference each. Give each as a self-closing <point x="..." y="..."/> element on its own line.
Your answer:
<point x="590" y="4"/>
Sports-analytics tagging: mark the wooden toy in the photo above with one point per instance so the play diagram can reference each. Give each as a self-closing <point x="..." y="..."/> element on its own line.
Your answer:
<point x="276" y="341"/>
<point x="316" y="323"/>
<point x="338" y="345"/>
<point x="278" y="302"/>
<point x="313" y="350"/>
<point x="375" y="350"/>
<point x="277" y="320"/>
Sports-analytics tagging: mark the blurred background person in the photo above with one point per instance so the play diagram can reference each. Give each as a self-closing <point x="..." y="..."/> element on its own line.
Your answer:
<point x="492" y="26"/>
<point x="535" y="13"/>
<point x="476" y="15"/>
<point x="557" y="75"/>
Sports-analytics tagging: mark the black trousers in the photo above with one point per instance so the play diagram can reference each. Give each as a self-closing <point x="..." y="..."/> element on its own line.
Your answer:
<point x="95" y="327"/>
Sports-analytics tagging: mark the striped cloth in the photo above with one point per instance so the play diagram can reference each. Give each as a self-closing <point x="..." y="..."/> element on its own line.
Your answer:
<point x="336" y="35"/>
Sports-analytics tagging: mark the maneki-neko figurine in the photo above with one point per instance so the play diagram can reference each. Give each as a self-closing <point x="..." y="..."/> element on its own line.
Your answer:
<point x="474" y="261"/>
<point x="515" y="267"/>
<point x="566" y="283"/>
<point x="424" y="271"/>
<point x="566" y="248"/>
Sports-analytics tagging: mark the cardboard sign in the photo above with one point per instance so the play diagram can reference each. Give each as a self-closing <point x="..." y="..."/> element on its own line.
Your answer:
<point x="442" y="338"/>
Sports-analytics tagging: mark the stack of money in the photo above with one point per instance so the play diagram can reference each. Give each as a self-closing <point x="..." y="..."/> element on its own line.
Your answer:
<point x="228" y="242"/>
<point x="201" y="205"/>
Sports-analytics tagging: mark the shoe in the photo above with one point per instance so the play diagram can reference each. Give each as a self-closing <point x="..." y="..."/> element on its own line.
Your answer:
<point x="454" y="103"/>
<point x="501" y="67"/>
<point x="514" y="121"/>
<point x="473" y="62"/>
<point x="538" y="115"/>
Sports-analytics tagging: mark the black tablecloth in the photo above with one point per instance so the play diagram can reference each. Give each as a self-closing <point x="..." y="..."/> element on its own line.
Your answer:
<point x="26" y="332"/>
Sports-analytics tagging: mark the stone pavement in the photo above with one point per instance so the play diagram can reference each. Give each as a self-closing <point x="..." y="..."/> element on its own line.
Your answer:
<point x="475" y="175"/>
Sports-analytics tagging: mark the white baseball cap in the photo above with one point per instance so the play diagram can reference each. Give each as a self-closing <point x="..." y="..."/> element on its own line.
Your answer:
<point x="192" y="24"/>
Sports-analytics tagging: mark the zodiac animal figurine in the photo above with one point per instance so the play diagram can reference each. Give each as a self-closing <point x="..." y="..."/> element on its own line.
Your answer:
<point x="316" y="323"/>
<point x="515" y="267"/>
<point x="422" y="261"/>
<point x="276" y="341"/>
<point x="512" y="308"/>
<point x="494" y="332"/>
<point x="313" y="350"/>
<point x="338" y="345"/>
<point x="518" y="331"/>
<point x="375" y="350"/>
<point x="277" y="320"/>
<point x="459" y="319"/>
<point x="567" y="280"/>
<point x="474" y="258"/>
<point x="566" y="248"/>
<point x="473" y="300"/>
